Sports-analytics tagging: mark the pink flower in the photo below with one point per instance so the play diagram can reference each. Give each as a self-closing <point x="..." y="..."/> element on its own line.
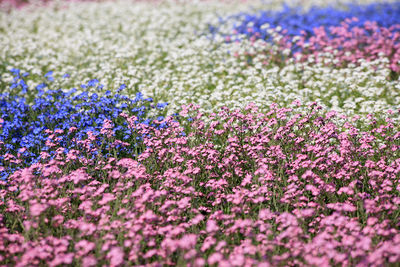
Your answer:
<point x="372" y="221"/>
<point x="313" y="189"/>
<point x="345" y="190"/>
<point x="188" y="241"/>
<point x="208" y="242"/>
<point x="59" y="131"/>
<point x="184" y="203"/>
<point x="72" y="129"/>
<point x="348" y="207"/>
<point x="184" y="111"/>
<point x="47" y="171"/>
<point x="61" y="259"/>
<point x="190" y="254"/>
<point x="83" y="247"/>
<point x="107" y="197"/>
<point x="197" y="219"/>
<point x="89" y="261"/>
<point x="37" y="209"/>
<point x="116" y="256"/>
<point x="58" y="219"/>
<point x="87" y="228"/>
<point x="107" y="128"/>
<point x="265" y="214"/>
<point x="149" y="216"/>
<point x="78" y="176"/>
<point x="150" y="253"/>
<point x="237" y="259"/>
<point x="220" y="245"/>
<point x="212" y="226"/>
<point x="199" y="262"/>
<point x="215" y="258"/>
<point x="305" y="213"/>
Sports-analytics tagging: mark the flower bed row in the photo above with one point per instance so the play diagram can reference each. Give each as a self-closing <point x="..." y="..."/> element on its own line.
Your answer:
<point x="246" y="188"/>
<point x="91" y="177"/>
<point x="145" y="49"/>
<point x="335" y="37"/>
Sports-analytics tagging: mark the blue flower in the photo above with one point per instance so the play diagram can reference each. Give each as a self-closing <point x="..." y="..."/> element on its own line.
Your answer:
<point x="14" y="71"/>
<point x="92" y="83"/>
<point x="139" y="96"/>
<point x="49" y="76"/>
<point x="41" y="86"/>
<point x="94" y="96"/>
<point x="24" y="125"/>
<point x="122" y="87"/>
<point x="50" y="73"/>
<point x="162" y="105"/>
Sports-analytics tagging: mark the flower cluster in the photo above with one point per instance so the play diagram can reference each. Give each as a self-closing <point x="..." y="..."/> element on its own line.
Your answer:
<point x="295" y="21"/>
<point x="164" y="53"/>
<point x="351" y="45"/>
<point x="29" y="132"/>
<point x="244" y="189"/>
<point x="8" y="5"/>
<point x="358" y="33"/>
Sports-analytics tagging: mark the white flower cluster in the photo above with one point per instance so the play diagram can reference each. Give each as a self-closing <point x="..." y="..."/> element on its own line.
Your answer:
<point x="165" y="50"/>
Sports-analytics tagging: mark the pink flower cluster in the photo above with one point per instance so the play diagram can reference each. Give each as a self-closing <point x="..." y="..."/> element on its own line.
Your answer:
<point x="354" y="43"/>
<point x="244" y="188"/>
<point x="348" y="45"/>
<point x="10" y="4"/>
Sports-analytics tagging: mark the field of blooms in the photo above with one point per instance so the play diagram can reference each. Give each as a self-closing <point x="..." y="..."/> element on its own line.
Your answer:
<point x="199" y="133"/>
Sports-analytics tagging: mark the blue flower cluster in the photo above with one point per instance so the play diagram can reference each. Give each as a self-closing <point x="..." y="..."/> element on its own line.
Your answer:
<point x="24" y="126"/>
<point x="295" y="20"/>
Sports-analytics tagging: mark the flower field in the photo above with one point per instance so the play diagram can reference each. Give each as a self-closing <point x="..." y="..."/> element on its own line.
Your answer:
<point x="199" y="133"/>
